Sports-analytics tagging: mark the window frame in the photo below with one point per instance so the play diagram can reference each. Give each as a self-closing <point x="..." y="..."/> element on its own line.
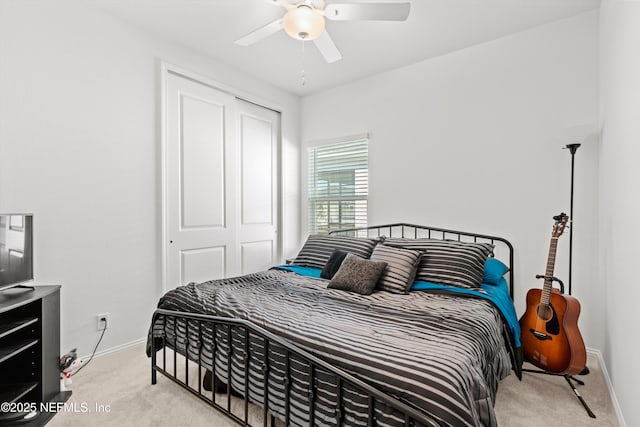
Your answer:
<point x="360" y="195"/>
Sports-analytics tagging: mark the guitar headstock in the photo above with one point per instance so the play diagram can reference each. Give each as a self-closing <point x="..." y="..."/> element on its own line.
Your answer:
<point x="560" y="225"/>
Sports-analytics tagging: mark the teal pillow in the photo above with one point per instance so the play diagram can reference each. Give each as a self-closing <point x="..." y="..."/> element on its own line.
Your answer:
<point x="493" y="271"/>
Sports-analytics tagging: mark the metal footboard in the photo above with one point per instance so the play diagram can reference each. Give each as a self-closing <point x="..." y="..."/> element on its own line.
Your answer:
<point x="244" y="334"/>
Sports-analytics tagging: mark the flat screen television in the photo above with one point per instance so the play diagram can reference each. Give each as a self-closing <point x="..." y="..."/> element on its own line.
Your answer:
<point x="16" y="250"/>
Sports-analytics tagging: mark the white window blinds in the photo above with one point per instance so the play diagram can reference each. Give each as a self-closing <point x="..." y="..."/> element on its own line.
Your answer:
<point x="338" y="186"/>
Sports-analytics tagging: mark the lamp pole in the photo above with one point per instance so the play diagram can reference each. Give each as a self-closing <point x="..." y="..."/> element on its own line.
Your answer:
<point x="572" y="149"/>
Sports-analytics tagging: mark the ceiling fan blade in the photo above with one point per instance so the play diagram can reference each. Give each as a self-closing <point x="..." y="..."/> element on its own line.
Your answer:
<point x="260" y="33"/>
<point x="367" y="11"/>
<point x="327" y="48"/>
<point x="284" y="3"/>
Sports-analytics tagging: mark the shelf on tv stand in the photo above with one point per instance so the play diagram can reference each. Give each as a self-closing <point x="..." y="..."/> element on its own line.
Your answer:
<point x="10" y="350"/>
<point x="14" y="392"/>
<point x="15" y="325"/>
<point x="30" y="351"/>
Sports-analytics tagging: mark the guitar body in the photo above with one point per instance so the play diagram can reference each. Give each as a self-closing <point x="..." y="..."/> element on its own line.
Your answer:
<point x="550" y="338"/>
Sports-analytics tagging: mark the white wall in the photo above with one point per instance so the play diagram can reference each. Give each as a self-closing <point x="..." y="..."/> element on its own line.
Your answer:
<point x="472" y="141"/>
<point x="620" y="206"/>
<point x="79" y="147"/>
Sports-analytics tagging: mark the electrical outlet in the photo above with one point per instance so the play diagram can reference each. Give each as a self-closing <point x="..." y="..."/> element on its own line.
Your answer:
<point x="102" y="321"/>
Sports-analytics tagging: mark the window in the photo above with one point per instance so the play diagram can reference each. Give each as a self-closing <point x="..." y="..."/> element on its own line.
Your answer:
<point x="338" y="186"/>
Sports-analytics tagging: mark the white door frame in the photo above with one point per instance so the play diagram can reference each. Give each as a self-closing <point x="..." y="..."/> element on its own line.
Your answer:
<point x="165" y="69"/>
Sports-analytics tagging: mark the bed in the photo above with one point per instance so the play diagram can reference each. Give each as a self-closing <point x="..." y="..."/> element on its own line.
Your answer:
<point x="422" y="347"/>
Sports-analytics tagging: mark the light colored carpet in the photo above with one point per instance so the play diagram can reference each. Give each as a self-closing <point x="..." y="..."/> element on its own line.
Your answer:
<point x="121" y="383"/>
<point x="545" y="400"/>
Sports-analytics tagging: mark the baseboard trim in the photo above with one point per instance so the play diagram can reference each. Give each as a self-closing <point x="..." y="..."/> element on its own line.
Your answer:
<point x="614" y="400"/>
<point x="116" y="348"/>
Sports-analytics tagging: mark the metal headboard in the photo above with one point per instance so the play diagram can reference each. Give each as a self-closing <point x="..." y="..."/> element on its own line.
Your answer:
<point x="503" y="247"/>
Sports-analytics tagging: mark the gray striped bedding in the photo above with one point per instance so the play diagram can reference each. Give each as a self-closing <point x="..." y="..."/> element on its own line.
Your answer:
<point x="442" y="354"/>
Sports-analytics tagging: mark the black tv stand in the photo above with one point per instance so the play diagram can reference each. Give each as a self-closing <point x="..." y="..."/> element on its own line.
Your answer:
<point x="30" y="353"/>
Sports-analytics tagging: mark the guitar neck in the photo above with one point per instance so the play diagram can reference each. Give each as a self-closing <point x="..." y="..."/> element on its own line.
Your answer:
<point x="551" y="261"/>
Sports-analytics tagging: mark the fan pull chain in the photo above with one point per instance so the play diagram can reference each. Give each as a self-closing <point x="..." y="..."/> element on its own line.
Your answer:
<point x="302" y="76"/>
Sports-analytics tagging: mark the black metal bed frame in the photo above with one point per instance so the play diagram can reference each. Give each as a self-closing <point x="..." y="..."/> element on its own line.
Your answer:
<point x="411" y="415"/>
<point x="412" y="231"/>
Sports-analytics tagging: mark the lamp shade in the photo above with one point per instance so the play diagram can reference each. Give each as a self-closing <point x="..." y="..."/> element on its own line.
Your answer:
<point x="303" y="23"/>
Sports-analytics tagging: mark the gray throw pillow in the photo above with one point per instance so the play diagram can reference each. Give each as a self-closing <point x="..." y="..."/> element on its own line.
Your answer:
<point x="357" y="275"/>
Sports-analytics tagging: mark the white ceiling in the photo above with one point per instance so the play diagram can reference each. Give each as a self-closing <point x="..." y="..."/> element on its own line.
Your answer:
<point x="434" y="27"/>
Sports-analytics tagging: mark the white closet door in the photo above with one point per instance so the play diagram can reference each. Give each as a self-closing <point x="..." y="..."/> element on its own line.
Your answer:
<point x="200" y="202"/>
<point x="259" y="138"/>
<point x="221" y="184"/>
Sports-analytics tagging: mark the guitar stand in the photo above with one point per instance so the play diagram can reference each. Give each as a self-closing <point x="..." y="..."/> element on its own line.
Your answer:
<point x="553" y="279"/>
<point x="568" y="378"/>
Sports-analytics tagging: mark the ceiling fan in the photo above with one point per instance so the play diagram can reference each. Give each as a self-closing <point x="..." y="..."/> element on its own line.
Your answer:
<point x="305" y="20"/>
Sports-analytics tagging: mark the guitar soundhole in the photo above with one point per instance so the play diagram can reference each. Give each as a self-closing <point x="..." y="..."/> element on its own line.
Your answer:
<point x="547" y="314"/>
<point x="544" y="312"/>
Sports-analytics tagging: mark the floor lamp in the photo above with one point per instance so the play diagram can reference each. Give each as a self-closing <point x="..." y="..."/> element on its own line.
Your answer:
<point x="572" y="149"/>
<point x="569" y="378"/>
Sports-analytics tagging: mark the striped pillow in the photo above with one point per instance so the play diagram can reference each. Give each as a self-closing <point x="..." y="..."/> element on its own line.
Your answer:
<point x="319" y="247"/>
<point x="448" y="262"/>
<point x="401" y="268"/>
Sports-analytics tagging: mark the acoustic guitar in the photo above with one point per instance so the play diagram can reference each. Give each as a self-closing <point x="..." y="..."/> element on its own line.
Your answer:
<point x="550" y="336"/>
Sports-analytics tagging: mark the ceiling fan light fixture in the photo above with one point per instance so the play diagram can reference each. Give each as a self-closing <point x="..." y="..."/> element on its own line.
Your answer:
<point x="303" y="23"/>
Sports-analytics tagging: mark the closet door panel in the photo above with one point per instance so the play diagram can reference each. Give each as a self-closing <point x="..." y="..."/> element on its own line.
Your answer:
<point x="259" y="137"/>
<point x="200" y="188"/>
<point x="202" y="169"/>
<point x="220" y="183"/>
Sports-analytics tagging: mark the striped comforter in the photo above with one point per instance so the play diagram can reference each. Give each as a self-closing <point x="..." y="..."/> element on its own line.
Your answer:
<point x="440" y="353"/>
